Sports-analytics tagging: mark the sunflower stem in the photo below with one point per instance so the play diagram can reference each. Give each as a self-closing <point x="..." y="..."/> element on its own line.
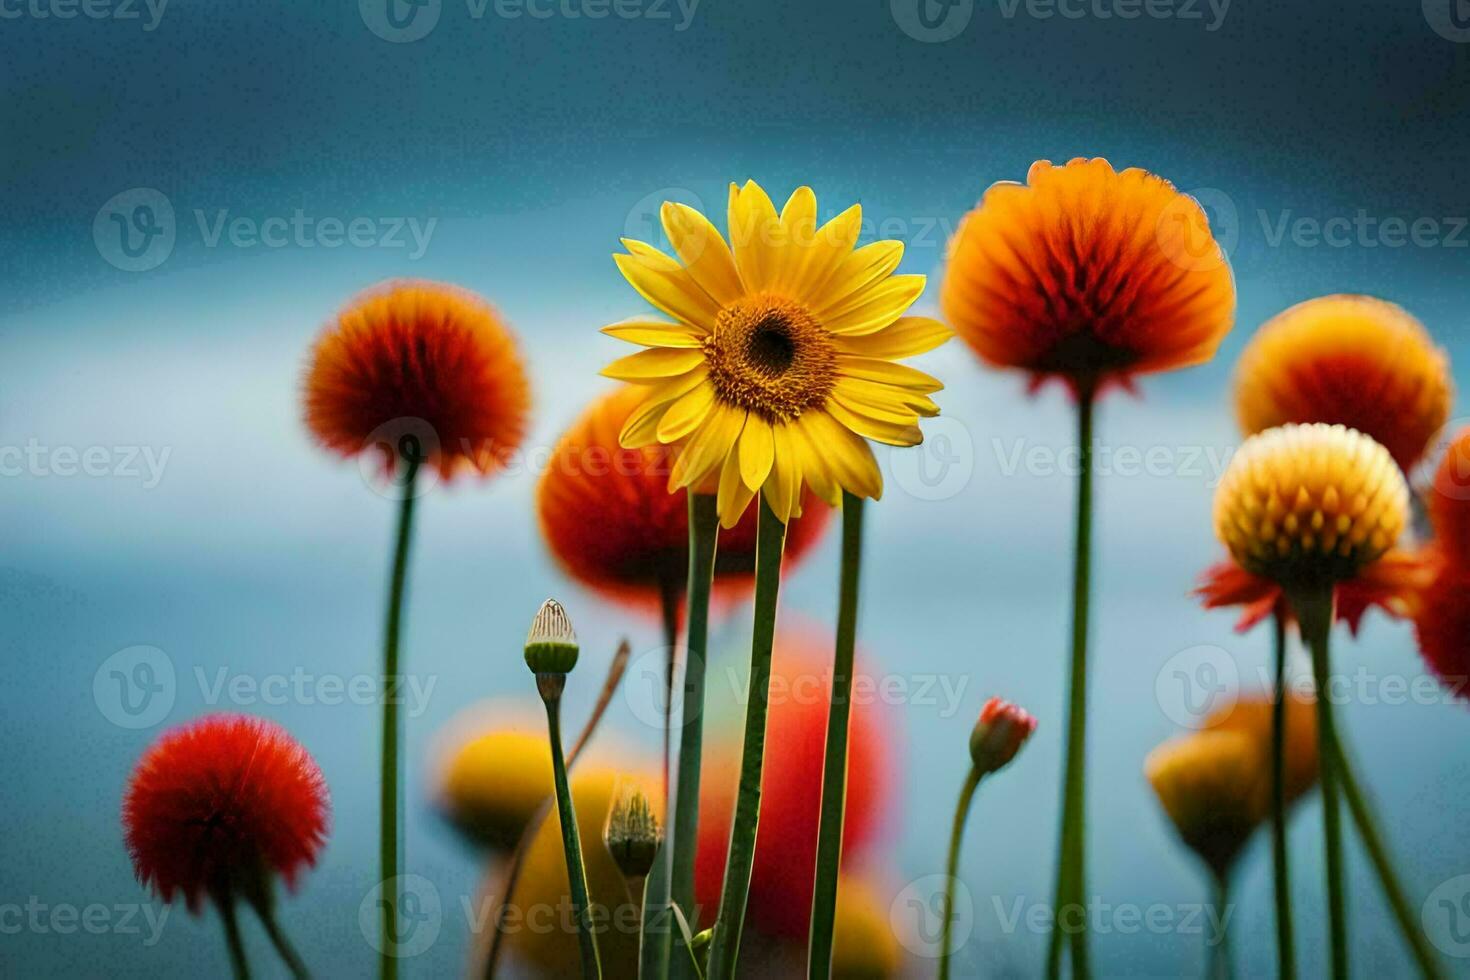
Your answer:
<point x="570" y="837"/>
<point x="725" y="947"/>
<point x="1285" y="947"/>
<point x="238" y="965"/>
<point x="1314" y="613"/>
<point x="390" y="800"/>
<point x="653" y="956"/>
<point x="834" y="763"/>
<point x="704" y="527"/>
<point x="1393" y="889"/>
<point x="952" y="869"/>
<point x="1071" y="879"/>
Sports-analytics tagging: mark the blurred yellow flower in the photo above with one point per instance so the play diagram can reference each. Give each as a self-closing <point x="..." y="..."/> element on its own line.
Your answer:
<point x="493" y="783"/>
<point x="863" y="944"/>
<point x="781" y="362"/>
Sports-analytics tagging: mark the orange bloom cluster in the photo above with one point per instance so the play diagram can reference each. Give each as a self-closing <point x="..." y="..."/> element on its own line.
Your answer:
<point x="1088" y="275"/>
<point x="1442" y="624"/>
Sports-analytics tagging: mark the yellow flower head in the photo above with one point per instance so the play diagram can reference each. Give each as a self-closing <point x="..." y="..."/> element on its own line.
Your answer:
<point x="1310" y="505"/>
<point x="493" y="783"/>
<point x="1214" y="787"/>
<point x="781" y="360"/>
<point x="1251" y="715"/>
<point x="1350" y="360"/>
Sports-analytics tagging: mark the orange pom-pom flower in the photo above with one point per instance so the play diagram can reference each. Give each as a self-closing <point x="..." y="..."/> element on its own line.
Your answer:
<point x="1088" y="275"/>
<point x="608" y="516"/>
<point x="1449" y="502"/>
<point x="419" y="360"/>
<point x="218" y="805"/>
<point x="1348" y="360"/>
<point x="1442" y="626"/>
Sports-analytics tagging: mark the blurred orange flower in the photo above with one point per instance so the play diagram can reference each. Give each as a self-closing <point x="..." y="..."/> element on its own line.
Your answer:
<point x="1352" y="360"/>
<point x="1088" y="275"/>
<point x="411" y="354"/>
<point x="612" y="524"/>
<point x="1442" y="628"/>
<point x="1449" y="502"/>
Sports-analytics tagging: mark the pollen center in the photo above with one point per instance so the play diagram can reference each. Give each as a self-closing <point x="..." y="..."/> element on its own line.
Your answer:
<point x="770" y="355"/>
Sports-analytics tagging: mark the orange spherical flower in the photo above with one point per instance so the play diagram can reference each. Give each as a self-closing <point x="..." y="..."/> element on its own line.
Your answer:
<point x="1350" y="360"/>
<point x="786" y="842"/>
<point x="420" y="361"/>
<point x="1442" y="626"/>
<point x="1449" y="501"/>
<point x="612" y="523"/>
<point x="1088" y="275"/>
<point x="216" y="806"/>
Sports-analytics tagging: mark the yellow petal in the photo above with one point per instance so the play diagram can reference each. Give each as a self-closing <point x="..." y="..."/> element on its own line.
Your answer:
<point x="654" y="333"/>
<point x="755" y="236"/>
<point x="887" y="372"/>
<point x="814" y="467"/>
<point x="880" y="400"/>
<point x="847" y="455"/>
<point x="706" y="450"/>
<point x="655" y="364"/>
<point x="906" y="337"/>
<point x="882" y="430"/>
<point x="703" y="250"/>
<point x="875" y="308"/>
<point x="757" y="451"/>
<point x="686" y="414"/>
<point x="667" y="285"/>
<point x="783" y="486"/>
<point x="734" y="496"/>
<point x="859" y="271"/>
<point x="641" y="426"/>
<point x="832" y="244"/>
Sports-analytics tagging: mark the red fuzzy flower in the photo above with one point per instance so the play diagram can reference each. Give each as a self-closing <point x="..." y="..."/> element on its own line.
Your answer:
<point x="420" y="361"/>
<point x="1442" y="626"/>
<point x="791" y="789"/>
<point x="610" y="520"/>
<point x="219" y="804"/>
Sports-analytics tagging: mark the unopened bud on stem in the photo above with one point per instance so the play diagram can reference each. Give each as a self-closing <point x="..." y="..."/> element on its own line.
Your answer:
<point x="999" y="734"/>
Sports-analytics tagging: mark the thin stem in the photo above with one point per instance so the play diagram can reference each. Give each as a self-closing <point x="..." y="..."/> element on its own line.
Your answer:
<point x="517" y="862"/>
<point x="1220" y="966"/>
<point x="390" y="800"/>
<point x="725" y="947"/>
<point x="238" y="966"/>
<point x="952" y="869"/>
<point x="638" y="892"/>
<point x="265" y="910"/>
<point x="1285" y="947"/>
<point x="834" y="762"/>
<point x="653" y="957"/>
<point x="704" y="527"/>
<point x="1393" y="889"/>
<point x="1314" y="613"/>
<point x="1071" y="880"/>
<point x="572" y="844"/>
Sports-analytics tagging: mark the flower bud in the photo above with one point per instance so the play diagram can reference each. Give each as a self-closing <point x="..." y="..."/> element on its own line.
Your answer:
<point x="999" y="734"/>
<point x="551" y="645"/>
<point x="632" y="834"/>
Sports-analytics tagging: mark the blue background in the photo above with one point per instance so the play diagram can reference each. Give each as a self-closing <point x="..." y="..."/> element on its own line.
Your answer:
<point x="532" y="143"/>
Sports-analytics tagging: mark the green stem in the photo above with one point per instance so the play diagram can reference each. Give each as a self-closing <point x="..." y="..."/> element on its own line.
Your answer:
<point x="653" y="957"/>
<point x="638" y="892"/>
<point x="834" y="762"/>
<point x="1285" y="947"/>
<point x="1314" y="613"/>
<point x="1071" y="879"/>
<point x="265" y="910"/>
<point x="725" y="947"/>
<point x="390" y="800"/>
<point x="1393" y="889"/>
<point x="238" y="966"/>
<point x="1220" y="967"/>
<point x="571" y="841"/>
<point x="952" y="869"/>
<point x="704" y="527"/>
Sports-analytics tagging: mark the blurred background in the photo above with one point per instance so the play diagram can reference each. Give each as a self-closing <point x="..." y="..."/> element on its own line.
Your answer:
<point x="161" y="491"/>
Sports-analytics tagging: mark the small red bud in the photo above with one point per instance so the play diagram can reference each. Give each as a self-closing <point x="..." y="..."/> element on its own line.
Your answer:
<point x="999" y="734"/>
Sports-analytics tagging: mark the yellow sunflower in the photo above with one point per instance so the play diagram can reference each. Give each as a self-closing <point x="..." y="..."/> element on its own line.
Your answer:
<point x="781" y="362"/>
